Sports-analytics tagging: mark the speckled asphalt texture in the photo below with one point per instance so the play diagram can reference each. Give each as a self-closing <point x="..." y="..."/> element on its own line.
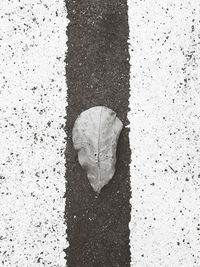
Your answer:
<point x="98" y="74"/>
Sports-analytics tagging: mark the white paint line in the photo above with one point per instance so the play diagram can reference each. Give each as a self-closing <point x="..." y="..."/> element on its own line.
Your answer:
<point x="32" y="138"/>
<point x="164" y="121"/>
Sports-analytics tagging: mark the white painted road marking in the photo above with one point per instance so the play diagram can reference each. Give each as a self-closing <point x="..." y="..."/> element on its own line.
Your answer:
<point x="32" y="139"/>
<point x="164" y="121"/>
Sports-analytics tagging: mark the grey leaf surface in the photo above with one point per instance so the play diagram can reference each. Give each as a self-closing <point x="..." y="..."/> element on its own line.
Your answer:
<point x="95" y="136"/>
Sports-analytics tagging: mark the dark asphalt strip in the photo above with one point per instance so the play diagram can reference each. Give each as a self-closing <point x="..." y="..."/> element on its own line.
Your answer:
<point x="97" y="74"/>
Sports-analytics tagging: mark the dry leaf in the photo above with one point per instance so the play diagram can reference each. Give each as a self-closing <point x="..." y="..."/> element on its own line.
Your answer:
<point x="95" y="136"/>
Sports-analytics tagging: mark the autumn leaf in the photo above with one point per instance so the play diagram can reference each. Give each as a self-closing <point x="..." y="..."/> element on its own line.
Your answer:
<point x="95" y="136"/>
